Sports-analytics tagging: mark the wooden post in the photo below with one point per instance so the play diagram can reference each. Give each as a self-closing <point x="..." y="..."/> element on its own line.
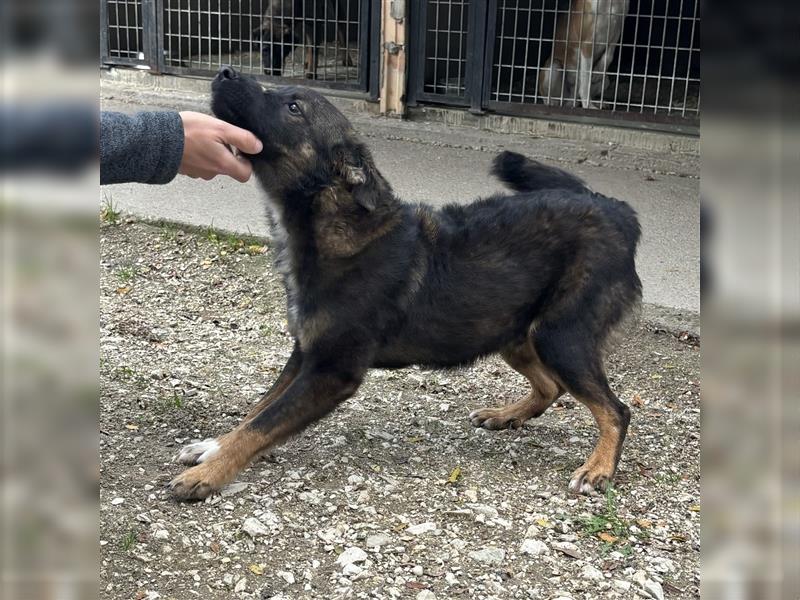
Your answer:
<point x="393" y="57"/>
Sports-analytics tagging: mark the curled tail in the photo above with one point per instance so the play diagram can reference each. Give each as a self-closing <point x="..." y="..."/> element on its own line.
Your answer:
<point x="522" y="174"/>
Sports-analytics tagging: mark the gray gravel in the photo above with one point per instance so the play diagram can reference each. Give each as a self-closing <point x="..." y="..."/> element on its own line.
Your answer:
<point x="395" y="495"/>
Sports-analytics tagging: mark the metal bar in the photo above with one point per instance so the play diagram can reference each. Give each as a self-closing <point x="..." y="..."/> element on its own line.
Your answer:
<point x="689" y="63"/>
<point x="476" y="51"/>
<point x="513" y="52"/>
<point x="502" y="9"/>
<point x="348" y="90"/>
<point x="489" y="51"/>
<point x="373" y="52"/>
<point x="104" y="52"/>
<point x="416" y="41"/>
<point x="150" y="41"/>
<point x="539" y="57"/>
<point x="647" y="121"/>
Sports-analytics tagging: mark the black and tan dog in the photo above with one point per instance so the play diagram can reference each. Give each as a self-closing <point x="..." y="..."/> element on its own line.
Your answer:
<point x="540" y="277"/>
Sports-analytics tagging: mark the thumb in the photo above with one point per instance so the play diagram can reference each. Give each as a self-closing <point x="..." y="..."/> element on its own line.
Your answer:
<point x="242" y="139"/>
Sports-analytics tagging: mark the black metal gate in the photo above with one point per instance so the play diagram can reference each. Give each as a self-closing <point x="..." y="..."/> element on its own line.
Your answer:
<point x="321" y="42"/>
<point x="523" y="57"/>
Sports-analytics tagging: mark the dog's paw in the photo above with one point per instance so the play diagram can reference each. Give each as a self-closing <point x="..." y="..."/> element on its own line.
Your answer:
<point x="196" y="483"/>
<point x="495" y="418"/>
<point x="588" y="479"/>
<point x="198" y="452"/>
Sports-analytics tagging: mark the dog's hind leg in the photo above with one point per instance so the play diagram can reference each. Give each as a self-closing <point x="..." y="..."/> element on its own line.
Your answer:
<point x="317" y="389"/>
<point x="574" y="356"/>
<point x="544" y="391"/>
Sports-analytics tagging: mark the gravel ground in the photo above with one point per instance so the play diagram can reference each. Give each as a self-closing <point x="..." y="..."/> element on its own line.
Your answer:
<point x="395" y="495"/>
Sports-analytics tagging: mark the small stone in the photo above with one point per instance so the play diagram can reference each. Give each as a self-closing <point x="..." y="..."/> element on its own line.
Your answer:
<point x="421" y="528"/>
<point x="489" y="555"/>
<point x="662" y="565"/>
<point x="472" y="495"/>
<point x="377" y="540"/>
<point x="351" y="570"/>
<point x="650" y="588"/>
<point x="161" y="534"/>
<point x="287" y="576"/>
<point x="233" y="489"/>
<point x="254" y="528"/>
<point x="350" y="556"/>
<point x="567" y="548"/>
<point x="426" y="595"/>
<point x="534" y="547"/>
<point x="621" y="585"/>
<point x="532" y="532"/>
<point x="591" y="572"/>
<point x="241" y="585"/>
<point x="487" y="511"/>
<point x="117" y="501"/>
<point x="417" y="570"/>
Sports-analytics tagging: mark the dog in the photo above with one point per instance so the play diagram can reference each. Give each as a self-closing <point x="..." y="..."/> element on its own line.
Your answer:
<point x="541" y="277"/>
<point x="584" y="46"/>
<point x="310" y="23"/>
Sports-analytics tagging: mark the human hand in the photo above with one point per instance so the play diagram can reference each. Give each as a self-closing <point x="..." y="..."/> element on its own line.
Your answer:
<point x="206" y="152"/>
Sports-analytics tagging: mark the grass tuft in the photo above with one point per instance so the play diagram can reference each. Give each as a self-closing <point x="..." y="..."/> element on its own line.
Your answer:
<point x="109" y="213"/>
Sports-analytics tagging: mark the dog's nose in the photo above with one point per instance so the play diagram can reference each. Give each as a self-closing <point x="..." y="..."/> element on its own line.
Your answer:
<point x="227" y="72"/>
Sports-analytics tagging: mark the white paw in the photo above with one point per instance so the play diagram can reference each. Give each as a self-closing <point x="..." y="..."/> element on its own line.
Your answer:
<point x="194" y="454"/>
<point x="579" y="485"/>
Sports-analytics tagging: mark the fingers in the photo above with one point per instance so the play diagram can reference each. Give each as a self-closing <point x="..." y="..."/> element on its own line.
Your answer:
<point x="242" y="139"/>
<point x="206" y="151"/>
<point x="237" y="167"/>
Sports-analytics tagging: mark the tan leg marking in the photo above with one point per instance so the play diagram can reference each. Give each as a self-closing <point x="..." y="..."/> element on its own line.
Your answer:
<point x="598" y="470"/>
<point x="544" y="391"/>
<point x="236" y="450"/>
<point x="284" y="380"/>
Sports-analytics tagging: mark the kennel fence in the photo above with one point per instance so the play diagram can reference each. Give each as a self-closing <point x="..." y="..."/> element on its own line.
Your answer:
<point x="491" y="55"/>
<point x="315" y="42"/>
<point x="480" y="54"/>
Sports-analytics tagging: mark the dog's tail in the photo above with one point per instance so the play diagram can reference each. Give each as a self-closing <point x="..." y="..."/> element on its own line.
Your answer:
<point x="522" y="174"/>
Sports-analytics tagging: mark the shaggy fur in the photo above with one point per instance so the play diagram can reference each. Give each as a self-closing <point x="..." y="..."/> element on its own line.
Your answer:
<point x="540" y="277"/>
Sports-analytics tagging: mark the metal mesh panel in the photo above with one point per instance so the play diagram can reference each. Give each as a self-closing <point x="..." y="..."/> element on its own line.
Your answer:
<point x="640" y="56"/>
<point x="446" y="47"/>
<point x="125" y="30"/>
<point x="314" y="39"/>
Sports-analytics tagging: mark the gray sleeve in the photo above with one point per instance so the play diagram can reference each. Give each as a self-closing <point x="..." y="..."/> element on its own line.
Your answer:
<point x="143" y="148"/>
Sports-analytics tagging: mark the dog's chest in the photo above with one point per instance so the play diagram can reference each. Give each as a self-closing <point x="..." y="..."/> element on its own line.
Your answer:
<point x="283" y="264"/>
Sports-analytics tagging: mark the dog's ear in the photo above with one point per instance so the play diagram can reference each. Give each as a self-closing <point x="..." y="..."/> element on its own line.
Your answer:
<point x="361" y="180"/>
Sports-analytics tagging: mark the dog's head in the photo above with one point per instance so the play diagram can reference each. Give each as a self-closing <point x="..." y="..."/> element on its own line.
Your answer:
<point x="305" y="137"/>
<point x="280" y="33"/>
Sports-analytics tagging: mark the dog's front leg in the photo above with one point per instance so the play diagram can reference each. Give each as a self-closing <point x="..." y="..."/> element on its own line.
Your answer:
<point x="316" y="390"/>
<point x="198" y="452"/>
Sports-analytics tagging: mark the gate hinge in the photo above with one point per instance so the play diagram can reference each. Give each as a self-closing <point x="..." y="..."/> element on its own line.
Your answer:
<point x="398" y="9"/>
<point x="393" y="47"/>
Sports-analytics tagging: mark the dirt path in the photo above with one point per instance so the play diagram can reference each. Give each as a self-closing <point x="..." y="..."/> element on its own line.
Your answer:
<point x="360" y="506"/>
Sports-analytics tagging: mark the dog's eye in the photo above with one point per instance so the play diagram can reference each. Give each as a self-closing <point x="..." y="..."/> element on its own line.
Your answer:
<point x="293" y="108"/>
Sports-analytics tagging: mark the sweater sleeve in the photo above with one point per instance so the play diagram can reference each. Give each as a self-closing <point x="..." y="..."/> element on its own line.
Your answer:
<point x="144" y="148"/>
